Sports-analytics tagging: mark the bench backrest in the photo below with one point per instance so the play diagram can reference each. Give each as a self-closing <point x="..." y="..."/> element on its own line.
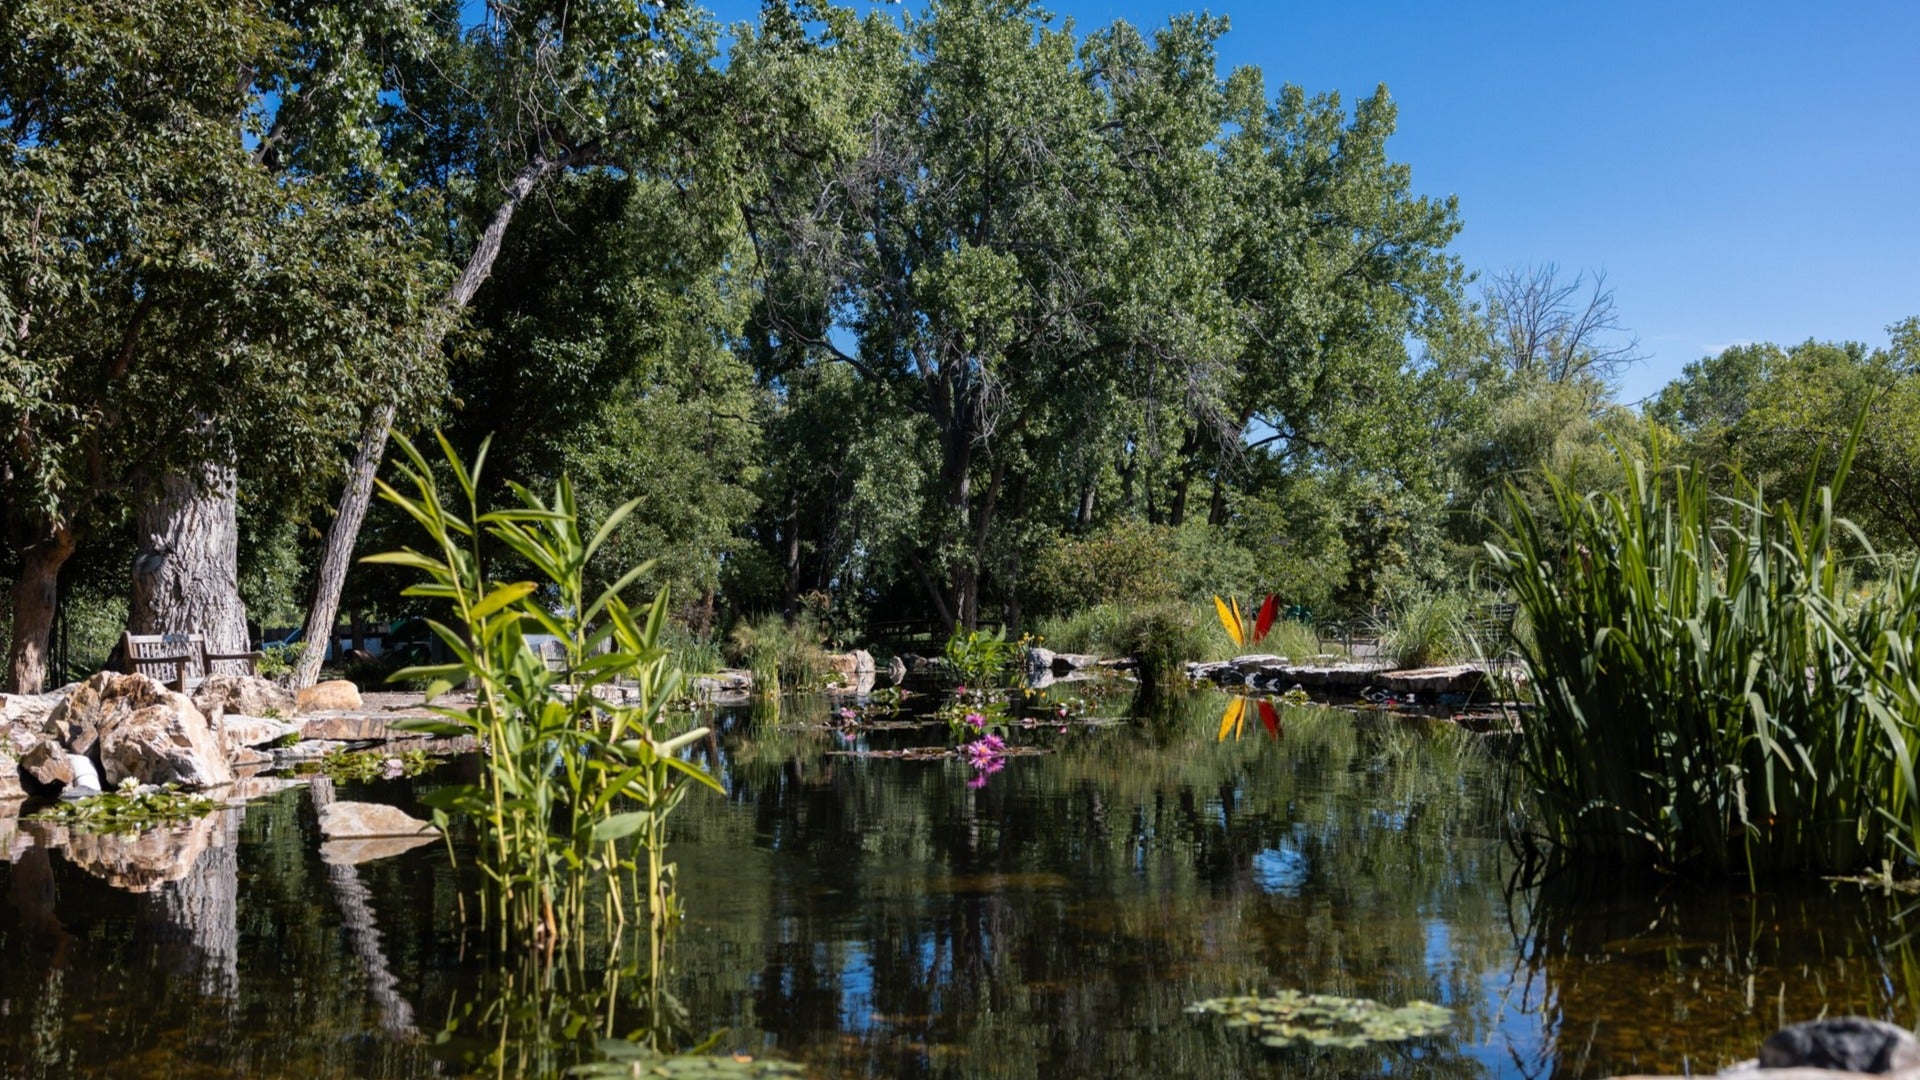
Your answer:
<point x="175" y="659"/>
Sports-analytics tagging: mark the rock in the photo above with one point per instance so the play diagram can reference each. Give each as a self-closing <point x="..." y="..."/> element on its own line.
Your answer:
<point x="1039" y="660"/>
<point x="246" y="756"/>
<point x="849" y="666"/>
<point x="30" y="710"/>
<point x="77" y="718"/>
<point x="896" y="671"/>
<point x="334" y="695"/>
<point x="305" y="750"/>
<point x="1067" y="663"/>
<point x="10" y="786"/>
<point x="1255" y="663"/>
<point x="86" y="778"/>
<point x="45" y="770"/>
<point x="367" y="849"/>
<point x="255" y="730"/>
<point x="360" y="820"/>
<point x="156" y="736"/>
<point x="350" y="729"/>
<point x="1852" y="1043"/>
<point x="1453" y="679"/>
<point x="248" y="695"/>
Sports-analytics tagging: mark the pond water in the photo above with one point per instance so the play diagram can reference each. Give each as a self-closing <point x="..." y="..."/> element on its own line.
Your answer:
<point x="869" y="916"/>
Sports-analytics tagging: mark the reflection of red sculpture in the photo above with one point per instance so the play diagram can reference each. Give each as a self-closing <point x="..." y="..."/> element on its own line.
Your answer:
<point x="1236" y="715"/>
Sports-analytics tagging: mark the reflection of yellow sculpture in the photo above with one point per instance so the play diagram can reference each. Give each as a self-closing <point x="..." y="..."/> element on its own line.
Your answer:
<point x="1236" y="716"/>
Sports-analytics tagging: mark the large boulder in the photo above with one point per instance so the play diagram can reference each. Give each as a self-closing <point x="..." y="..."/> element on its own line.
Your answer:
<point x="149" y="733"/>
<point x="77" y="718"/>
<point x="334" y="695"/>
<point x="10" y="787"/>
<point x="30" y="710"/>
<point x="246" y="695"/>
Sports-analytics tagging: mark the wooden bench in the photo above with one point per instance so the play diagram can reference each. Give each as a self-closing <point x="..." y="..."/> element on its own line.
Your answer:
<point x="179" y="660"/>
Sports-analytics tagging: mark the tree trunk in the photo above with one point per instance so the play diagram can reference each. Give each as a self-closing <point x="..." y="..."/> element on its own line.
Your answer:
<point x="338" y="553"/>
<point x="35" y="596"/>
<point x="186" y="571"/>
<point x="344" y="533"/>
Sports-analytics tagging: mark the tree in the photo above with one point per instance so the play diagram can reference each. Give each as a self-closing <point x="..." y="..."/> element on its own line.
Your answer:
<point x="1546" y="327"/>
<point x="170" y="308"/>
<point x="483" y="118"/>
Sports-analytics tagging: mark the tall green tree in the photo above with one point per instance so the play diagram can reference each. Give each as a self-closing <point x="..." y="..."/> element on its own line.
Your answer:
<point x="172" y="309"/>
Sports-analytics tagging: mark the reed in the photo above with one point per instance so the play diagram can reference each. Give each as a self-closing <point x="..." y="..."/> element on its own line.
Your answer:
<point x="1710" y="695"/>
<point x="579" y="756"/>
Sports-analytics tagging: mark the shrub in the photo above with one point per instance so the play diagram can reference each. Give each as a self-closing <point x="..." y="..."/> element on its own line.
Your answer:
<point x="1162" y="638"/>
<point x="1428" y="630"/>
<point x="1127" y="562"/>
<point x="1709" y="693"/>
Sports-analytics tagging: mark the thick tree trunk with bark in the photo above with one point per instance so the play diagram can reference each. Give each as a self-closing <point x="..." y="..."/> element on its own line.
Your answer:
<point x="186" y="571"/>
<point x="352" y="510"/>
<point x="35" y="595"/>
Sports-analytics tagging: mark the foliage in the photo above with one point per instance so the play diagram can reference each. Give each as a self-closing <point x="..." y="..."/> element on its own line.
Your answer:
<point x="981" y="659"/>
<point x="364" y="765"/>
<point x="782" y="654"/>
<point x="560" y="767"/>
<point x="1127" y="562"/>
<point x="1161" y="638"/>
<point x="1710" y="694"/>
<point x="277" y="661"/>
<point x="1291" y="1018"/>
<point x="629" y="1059"/>
<point x="1428" y="629"/>
<point x="130" y="809"/>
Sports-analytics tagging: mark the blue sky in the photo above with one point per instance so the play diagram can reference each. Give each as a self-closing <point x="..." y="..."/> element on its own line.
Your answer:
<point x="1741" y="171"/>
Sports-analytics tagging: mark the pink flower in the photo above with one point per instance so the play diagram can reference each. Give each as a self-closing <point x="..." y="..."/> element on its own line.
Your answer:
<point x="848" y="714"/>
<point x="974" y="720"/>
<point x="995" y="744"/>
<point x="960" y="691"/>
<point x="979" y="781"/>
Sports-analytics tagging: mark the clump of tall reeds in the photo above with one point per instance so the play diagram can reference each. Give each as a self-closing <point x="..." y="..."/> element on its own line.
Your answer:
<point x="781" y="653"/>
<point x="579" y="756"/>
<point x="1709" y="695"/>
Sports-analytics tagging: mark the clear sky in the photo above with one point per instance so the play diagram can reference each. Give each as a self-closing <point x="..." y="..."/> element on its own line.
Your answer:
<point x="1741" y="171"/>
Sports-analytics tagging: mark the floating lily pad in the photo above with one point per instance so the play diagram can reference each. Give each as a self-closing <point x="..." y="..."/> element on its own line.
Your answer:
<point x="625" y="1059"/>
<point x="1291" y="1018"/>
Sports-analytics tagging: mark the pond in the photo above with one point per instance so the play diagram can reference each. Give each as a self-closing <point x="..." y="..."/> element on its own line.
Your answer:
<point x="871" y="916"/>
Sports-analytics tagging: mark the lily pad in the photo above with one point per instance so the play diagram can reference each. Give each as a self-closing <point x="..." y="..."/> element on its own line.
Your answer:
<point x="1290" y="1018"/>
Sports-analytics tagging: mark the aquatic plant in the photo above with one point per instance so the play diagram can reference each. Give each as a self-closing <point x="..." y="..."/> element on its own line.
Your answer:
<point x="981" y="659"/>
<point x="579" y="756"/>
<point x="374" y="764"/>
<point x="1709" y="694"/>
<point x="781" y="654"/>
<point x="1291" y="1018"/>
<point x="128" y="809"/>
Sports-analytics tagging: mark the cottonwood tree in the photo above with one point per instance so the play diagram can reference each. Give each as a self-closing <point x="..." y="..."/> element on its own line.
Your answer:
<point x="172" y="310"/>
<point x="483" y="117"/>
<point x="963" y="242"/>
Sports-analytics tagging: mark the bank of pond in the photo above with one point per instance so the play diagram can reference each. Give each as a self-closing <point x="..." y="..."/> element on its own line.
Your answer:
<point x="1127" y="891"/>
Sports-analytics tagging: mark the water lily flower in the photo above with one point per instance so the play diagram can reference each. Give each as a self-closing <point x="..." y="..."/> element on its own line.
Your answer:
<point x="974" y="720"/>
<point x="848" y="714"/>
<point x="960" y="691"/>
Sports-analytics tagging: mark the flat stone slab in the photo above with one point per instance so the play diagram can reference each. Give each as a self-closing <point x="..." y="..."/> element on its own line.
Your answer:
<point x="360" y="820"/>
<point x="352" y="727"/>
<point x="1451" y="679"/>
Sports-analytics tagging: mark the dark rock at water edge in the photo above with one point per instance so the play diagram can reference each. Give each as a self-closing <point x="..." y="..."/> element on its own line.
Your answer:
<point x="1851" y="1043"/>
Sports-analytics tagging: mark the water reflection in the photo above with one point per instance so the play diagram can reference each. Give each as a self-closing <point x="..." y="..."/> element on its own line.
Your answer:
<point x="885" y="917"/>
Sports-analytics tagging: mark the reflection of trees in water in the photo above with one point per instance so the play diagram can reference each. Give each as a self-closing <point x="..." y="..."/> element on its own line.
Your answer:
<point x="903" y="923"/>
<point x="1657" y="976"/>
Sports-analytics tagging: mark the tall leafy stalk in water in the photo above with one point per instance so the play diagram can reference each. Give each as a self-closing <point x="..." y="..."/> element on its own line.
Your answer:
<point x="578" y="757"/>
<point x="1710" y="695"/>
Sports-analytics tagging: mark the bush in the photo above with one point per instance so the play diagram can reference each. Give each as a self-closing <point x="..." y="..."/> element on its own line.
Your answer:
<point x="1710" y="694"/>
<point x="1127" y="562"/>
<point x="1162" y="638"/>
